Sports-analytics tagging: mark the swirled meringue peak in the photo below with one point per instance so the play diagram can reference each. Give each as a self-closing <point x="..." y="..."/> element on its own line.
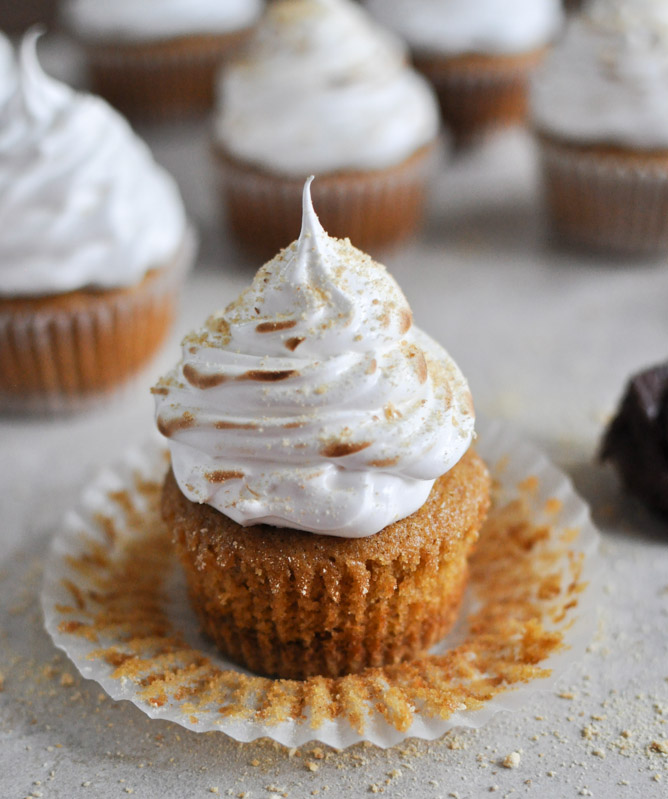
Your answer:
<point x="311" y="402"/>
<point x="82" y="201"/>
<point x="320" y="86"/>
<point x="606" y="80"/>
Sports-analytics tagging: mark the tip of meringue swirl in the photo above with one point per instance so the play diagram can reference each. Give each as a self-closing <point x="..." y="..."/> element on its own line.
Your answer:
<point x="39" y="91"/>
<point x="311" y="226"/>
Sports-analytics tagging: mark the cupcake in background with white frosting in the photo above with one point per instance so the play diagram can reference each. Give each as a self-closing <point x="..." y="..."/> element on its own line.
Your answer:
<point x="157" y="59"/>
<point x="600" y="110"/>
<point x="93" y="244"/>
<point x="323" y="496"/>
<point x="478" y="54"/>
<point x="321" y="88"/>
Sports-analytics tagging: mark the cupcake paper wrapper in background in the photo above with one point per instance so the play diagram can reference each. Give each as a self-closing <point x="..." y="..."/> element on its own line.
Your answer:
<point x="606" y="199"/>
<point x="66" y="353"/>
<point x="163" y="80"/>
<point x="480" y="94"/>
<point x="114" y="600"/>
<point x="373" y="209"/>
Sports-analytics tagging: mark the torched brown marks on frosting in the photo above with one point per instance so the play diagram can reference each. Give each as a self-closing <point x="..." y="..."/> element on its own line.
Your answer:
<point x="268" y="376"/>
<point x="526" y="577"/>
<point x="339" y="449"/>
<point x="294" y="342"/>
<point x="200" y="379"/>
<point x="275" y="327"/>
<point x="419" y="363"/>
<point x="203" y="380"/>
<point x="384" y="463"/>
<point x="222" y="476"/>
<point x="170" y="426"/>
<point x="405" y="320"/>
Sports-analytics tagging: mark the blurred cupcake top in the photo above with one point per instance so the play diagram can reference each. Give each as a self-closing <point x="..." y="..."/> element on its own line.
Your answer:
<point x="82" y="202"/>
<point x="312" y="402"/>
<point x="320" y="87"/>
<point x="607" y="79"/>
<point x="146" y="20"/>
<point x="456" y="27"/>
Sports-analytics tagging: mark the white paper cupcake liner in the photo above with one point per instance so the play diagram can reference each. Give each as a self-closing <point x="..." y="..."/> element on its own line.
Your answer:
<point x="64" y="359"/>
<point x="375" y="209"/>
<point x="163" y="80"/>
<point x="115" y="602"/>
<point x="606" y="201"/>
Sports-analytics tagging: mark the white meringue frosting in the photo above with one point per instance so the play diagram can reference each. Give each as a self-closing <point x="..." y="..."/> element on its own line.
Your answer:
<point x="321" y="87"/>
<point x="311" y="402"/>
<point x="606" y="81"/>
<point x="7" y="68"/>
<point x="146" y="20"/>
<point x="455" y="27"/>
<point x="82" y="202"/>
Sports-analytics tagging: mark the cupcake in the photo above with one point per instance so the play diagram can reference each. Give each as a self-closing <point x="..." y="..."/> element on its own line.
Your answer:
<point x="600" y="110"/>
<point x="321" y="88"/>
<point x="157" y="59"/>
<point x="323" y="495"/>
<point x="478" y="54"/>
<point x="93" y="245"/>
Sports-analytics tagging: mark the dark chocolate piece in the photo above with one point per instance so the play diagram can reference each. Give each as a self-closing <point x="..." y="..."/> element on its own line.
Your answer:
<point x="636" y="441"/>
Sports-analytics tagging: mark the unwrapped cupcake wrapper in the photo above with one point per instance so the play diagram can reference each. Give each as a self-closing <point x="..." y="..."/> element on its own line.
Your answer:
<point x="115" y="601"/>
<point x="59" y="356"/>
<point x="479" y="96"/>
<point x="606" y="200"/>
<point x="374" y="209"/>
<point x="166" y="80"/>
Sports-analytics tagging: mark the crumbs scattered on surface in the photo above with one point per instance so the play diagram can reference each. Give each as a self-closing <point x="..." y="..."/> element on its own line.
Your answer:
<point x="525" y="604"/>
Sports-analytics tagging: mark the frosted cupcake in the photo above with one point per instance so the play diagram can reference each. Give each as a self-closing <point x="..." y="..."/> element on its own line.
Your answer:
<point x="323" y="494"/>
<point x="478" y="54"/>
<point x="322" y="89"/>
<point x="600" y="109"/>
<point x="93" y="245"/>
<point x="158" y="58"/>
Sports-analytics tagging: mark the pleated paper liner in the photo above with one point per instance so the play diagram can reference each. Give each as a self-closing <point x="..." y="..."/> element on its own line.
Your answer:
<point x="68" y="352"/>
<point x="164" y="80"/>
<point x="115" y="601"/>
<point x="606" y="198"/>
<point x="480" y="94"/>
<point x="375" y="209"/>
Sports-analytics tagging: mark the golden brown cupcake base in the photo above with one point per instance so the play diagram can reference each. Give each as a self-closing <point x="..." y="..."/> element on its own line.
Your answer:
<point x="160" y="80"/>
<point x="606" y="197"/>
<point x="61" y="352"/>
<point x="374" y="209"/>
<point x="292" y="604"/>
<point x="480" y="93"/>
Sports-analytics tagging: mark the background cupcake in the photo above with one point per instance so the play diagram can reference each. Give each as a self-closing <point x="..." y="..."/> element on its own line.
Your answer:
<point x="600" y="108"/>
<point x="321" y="89"/>
<point x="93" y="245"/>
<point x="478" y="54"/>
<point x="158" y="58"/>
<point x="323" y="498"/>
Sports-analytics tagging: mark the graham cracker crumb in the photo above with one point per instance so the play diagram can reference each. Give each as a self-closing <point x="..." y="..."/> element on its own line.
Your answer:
<point x="511" y="760"/>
